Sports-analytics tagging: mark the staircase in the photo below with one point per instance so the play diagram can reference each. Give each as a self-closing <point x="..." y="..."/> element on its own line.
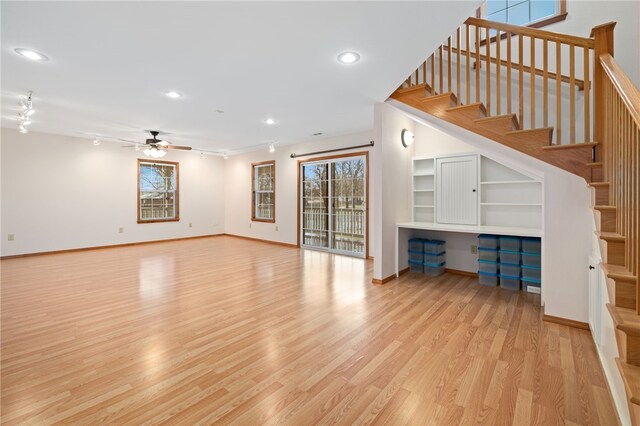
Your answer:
<point x="544" y="110"/>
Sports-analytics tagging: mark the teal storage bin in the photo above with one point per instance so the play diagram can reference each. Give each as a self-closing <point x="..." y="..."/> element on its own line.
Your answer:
<point x="488" y="266"/>
<point x="531" y="272"/>
<point x="416" y="266"/>
<point x="509" y="243"/>
<point x="416" y="245"/>
<point x="487" y="254"/>
<point x="531" y="259"/>
<point x="488" y="241"/>
<point x="434" y="269"/>
<point x="416" y="256"/>
<point x="510" y="283"/>
<point x="434" y="246"/>
<point x="531" y="245"/>
<point x="488" y="279"/>
<point x="508" y="256"/>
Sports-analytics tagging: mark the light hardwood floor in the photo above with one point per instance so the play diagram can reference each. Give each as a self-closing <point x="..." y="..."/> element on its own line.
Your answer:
<point x="234" y="331"/>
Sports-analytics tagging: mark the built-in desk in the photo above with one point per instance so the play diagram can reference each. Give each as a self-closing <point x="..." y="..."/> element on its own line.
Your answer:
<point x="469" y="229"/>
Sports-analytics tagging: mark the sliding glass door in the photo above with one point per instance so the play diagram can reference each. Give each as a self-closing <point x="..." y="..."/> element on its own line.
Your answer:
<point x="333" y="205"/>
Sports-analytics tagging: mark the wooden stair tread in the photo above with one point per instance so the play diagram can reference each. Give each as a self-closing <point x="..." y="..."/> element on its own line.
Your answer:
<point x="537" y="130"/>
<point x="631" y="378"/>
<point x="411" y="89"/>
<point x="611" y="236"/>
<point x="604" y="208"/>
<point x="468" y="106"/>
<point x="594" y="165"/>
<point x="510" y="118"/>
<point x="626" y="320"/>
<point x="617" y="272"/>
<point x="571" y="146"/>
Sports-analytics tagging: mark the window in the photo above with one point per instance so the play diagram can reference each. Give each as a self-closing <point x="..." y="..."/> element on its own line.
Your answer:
<point x="157" y="191"/>
<point x="532" y="13"/>
<point x="263" y="188"/>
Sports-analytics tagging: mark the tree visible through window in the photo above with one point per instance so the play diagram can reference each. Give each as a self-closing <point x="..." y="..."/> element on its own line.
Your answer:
<point x="263" y="202"/>
<point x="157" y="191"/>
<point x="522" y="12"/>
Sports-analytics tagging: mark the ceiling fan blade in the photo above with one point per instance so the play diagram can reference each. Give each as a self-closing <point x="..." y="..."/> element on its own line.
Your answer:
<point x="163" y="143"/>
<point x="187" y="148"/>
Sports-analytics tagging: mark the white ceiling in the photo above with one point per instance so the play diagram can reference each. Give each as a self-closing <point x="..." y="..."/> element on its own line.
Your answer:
<point x="110" y="63"/>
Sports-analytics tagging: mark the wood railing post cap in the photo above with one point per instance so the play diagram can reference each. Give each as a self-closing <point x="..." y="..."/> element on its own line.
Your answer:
<point x="609" y="26"/>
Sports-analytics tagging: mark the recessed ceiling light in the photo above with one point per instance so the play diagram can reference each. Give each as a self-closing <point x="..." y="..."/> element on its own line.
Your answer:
<point x="270" y="121"/>
<point x="31" y="54"/>
<point x="173" y="94"/>
<point x="96" y="142"/>
<point x="348" y="57"/>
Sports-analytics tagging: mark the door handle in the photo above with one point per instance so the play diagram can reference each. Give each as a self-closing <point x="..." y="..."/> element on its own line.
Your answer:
<point x="591" y="267"/>
<point x="473" y="190"/>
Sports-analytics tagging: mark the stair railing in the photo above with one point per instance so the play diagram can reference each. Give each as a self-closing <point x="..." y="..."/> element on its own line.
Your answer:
<point x="486" y="61"/>
<point x="621" y="157"/>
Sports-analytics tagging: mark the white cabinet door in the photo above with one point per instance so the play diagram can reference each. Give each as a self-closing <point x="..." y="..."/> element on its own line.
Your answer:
<point x="456" y="190"/>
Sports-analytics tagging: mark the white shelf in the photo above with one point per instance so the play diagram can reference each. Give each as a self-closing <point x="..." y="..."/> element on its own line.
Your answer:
<point x="512" y="204"/>
<point x="424" y="206"/>
<point x="503" y="182"/>
<point x="423" y="190"/>
<point x="423" y="174"/>
<point x="473" y="229"/>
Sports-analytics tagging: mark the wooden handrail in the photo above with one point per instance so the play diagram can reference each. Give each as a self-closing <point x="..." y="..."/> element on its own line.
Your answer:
<point x="628" y="92"/>
<point x="543" y="56"/>
<point x="564" y="78"/>
<point x="532" y="32"/>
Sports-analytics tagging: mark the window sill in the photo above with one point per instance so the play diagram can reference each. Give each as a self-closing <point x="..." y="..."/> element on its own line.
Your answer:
<point x="177" y="219"/>
<point x="538" y="24"/>
<point x="254" y="219"/>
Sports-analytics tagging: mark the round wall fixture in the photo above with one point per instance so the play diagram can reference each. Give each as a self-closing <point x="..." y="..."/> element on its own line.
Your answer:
<point x="406" y="137"/>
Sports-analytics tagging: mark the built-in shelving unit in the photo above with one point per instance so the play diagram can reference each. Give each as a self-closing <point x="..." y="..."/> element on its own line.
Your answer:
<point x="507" y="198"/>
<point x="423" y="196"/>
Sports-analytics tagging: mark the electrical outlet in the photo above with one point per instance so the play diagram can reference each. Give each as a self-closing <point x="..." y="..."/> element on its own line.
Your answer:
<point x="474" y="249"/>
<point x="10" y="237"/>
<point x="190" y="225"/>
<point x="276" y="227"/>
<point x="120" y="230"/>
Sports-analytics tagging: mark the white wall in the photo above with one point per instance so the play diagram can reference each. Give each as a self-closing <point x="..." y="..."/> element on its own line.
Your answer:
<point x="62" y="193"/>
<point x="391" y="179"/>
<point x="238" y="187"/>
<point x="567" y="217"/>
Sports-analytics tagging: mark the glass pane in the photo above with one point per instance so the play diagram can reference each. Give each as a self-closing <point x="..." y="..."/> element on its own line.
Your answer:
<point x="511" y="3"/>
<point x="542" y="8"/>
<point x="315" y="238"/>
<point x="519" y="14"/>
<point x="264" y="178"/>
<point x="494" y="6"/>
<point x="500" y="16"/>
<point x="264" y="205"/>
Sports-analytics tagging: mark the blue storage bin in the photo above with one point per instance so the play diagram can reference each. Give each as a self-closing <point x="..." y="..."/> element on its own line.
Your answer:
<point x="487" y="278"/>
<point x="416" y="256"/>
<point x="433" y="258"/>
<point x="487" y="254"/>
<point x="508" y="256"/>
<point x="416" y="266"/>
<point x="531" y="245"/>
<point x="531" y="272"/>
<point x="488" y="266"/>
<point x="510" y="270"/>
<point x="531" y="259"/>
<point x="433" y="246"/>
<point x="509" y="243"/>
<point x="416" y="245"/>
<point x="434" y="269"/>
<point x="488" y="241"/>
<point x="531" y="285"/>
<point x="510" y="283"/>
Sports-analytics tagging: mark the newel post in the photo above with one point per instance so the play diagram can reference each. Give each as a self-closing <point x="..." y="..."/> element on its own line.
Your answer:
<point x="602" y="43"/>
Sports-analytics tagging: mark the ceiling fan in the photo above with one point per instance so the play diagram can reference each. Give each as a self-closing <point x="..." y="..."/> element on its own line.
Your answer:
<point x="156" y="148"/>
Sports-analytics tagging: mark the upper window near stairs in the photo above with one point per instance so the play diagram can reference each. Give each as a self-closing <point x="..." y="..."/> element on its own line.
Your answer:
<point x="530" y="13"/>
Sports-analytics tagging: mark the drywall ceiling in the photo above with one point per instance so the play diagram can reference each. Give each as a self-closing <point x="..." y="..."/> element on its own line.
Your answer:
<point x="110" y="63"/>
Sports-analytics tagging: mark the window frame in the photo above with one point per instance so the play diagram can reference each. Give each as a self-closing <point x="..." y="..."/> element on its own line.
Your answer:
<point x="176" y="192"/>
<point x="254" y="192"/>
<point x="560" y="15"/>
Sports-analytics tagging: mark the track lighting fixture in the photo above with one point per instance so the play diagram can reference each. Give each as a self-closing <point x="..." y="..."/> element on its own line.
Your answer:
<point x="26" y="104"/>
